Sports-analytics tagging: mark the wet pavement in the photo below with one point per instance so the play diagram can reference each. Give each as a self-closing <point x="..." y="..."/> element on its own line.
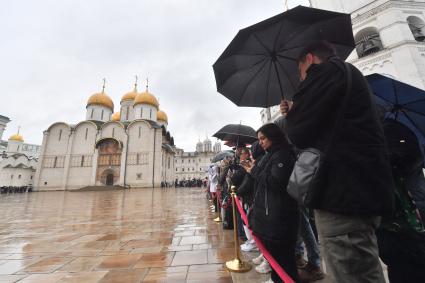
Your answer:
<point x="137" y="235"/>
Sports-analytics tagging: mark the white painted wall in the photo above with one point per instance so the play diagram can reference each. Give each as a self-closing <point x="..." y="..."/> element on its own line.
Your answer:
<point x="145" y="111"/>
<point x="98" y="113"/>
<point x="127" y="107"/>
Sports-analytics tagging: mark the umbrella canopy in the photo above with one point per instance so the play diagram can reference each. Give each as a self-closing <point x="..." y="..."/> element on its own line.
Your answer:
<point x="405" y="151"/>
<point x="237" y="133"/>
<point x="222" y="155"/>
<point x="401" y="102"/>
<point x="259" y="67"/>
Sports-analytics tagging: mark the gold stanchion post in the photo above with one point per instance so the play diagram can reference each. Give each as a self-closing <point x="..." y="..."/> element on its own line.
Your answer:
<point x="236" y="264"/>
<point x="218" y="218"/>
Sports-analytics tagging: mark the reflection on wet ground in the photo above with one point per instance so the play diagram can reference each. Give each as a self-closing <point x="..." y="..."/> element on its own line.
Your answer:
<point x="137" y="235"/>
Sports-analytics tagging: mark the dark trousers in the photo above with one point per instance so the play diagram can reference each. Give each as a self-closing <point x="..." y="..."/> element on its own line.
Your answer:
<point x="404" y="255"/>
<point x="284" y="253"/>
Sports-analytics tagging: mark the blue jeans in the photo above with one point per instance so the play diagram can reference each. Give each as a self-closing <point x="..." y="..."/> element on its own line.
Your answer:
<point x="306" y="235"/>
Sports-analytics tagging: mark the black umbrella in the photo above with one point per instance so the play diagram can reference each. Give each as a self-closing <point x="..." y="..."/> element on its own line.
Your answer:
<point x="259" y="67"/>
<point x="222" y="155"/>
<point x="237" y="133"/>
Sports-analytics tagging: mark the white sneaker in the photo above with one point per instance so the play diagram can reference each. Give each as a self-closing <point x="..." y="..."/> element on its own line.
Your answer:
<point x="249" y="247"/>
<point x="269" y="281"/>
<point x="263" y="268"/>
<point x="258" y="260"/>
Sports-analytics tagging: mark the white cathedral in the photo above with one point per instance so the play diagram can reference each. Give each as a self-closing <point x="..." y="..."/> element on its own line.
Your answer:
<point x="129" y="148"/>
<point x="389" y="37"/>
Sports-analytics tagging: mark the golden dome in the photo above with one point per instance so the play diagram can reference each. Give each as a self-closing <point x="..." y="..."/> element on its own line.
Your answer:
<point x="130" y="95"/>
<point x="116" y="117"/>
<point x="16" y="137"/>
<point x="162" y="116"/>
<point x="146" y="98"/>
<point x="101" y="99"/>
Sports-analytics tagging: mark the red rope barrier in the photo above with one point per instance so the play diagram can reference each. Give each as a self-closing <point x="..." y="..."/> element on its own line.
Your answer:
<point x="279" y="270"/>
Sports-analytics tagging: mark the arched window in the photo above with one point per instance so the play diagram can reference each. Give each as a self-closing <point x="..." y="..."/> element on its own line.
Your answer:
<point x="87" y="132"/>
<point x="141" y="112"/>
<point x="91" y="115"/>
<point x="416" y="25"/>
<point x="113" y="132"/>
<point x="150" y="113"/>
<point x="368" y="41"/>
<point x="60" y="134"/>
<point x="126" y="113"/>
<point x="101" y="117"/>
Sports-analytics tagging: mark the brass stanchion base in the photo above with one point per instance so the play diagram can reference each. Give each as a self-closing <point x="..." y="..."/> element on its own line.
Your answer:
<point x="236" y="265"/>
<point x="217" y="219"/>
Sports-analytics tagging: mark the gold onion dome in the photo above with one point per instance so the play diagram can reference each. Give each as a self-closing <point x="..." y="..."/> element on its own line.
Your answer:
<point x="16" y="137"/>
<point x="146" y="98"/>
<point x="101" y="99"/>
<point x="130" y="95"/>
<point x="162" y="116"/>
<point x="116" y="117"/>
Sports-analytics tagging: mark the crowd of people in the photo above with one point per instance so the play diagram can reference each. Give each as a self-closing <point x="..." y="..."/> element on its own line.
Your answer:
<point x="369" y="203"/>
<point x="14" y="189"/>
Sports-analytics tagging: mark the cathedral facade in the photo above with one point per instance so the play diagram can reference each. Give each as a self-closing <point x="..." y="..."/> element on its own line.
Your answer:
<point x="129" y="148"/>
<point x="17" y="163"/>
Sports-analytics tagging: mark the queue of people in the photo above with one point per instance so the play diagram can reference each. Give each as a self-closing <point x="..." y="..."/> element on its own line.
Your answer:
<point x="369" y="201"/>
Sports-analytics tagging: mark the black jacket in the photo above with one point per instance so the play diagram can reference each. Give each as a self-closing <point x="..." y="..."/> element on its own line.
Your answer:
<point x="357" y="178"/>
<point x="275" y="213"/>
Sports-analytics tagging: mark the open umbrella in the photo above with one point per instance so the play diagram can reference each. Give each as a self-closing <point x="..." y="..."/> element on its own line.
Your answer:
<point x="237" y="133"/>
<point x="222" y="155"/>
<point x="401" y="102"/>
<point x="259" y="67"/>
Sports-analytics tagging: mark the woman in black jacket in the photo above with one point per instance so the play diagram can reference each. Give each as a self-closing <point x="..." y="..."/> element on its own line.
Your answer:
<point x="275" y="215"/>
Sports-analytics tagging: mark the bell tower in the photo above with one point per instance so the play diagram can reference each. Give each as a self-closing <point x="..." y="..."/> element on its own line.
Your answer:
<point x="389" y="36"/>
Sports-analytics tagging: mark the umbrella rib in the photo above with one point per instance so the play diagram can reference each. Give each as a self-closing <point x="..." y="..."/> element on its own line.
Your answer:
<point x="395" y="92"/>
<point x="415" y="101"/>
<point x="411" y="121"/>
<point x="250" y="67"/>
<point x="287" y="49"/>
<point x="278" y="34"/>
<point x="286" y="73"/>
<point x="252" y="79"/>
<point x="278" y="79"/>
<point x="268" y="83"/>
<point x="262" y="44"/>
<point x="377" y="94"/>
<point x="286" y="57"/>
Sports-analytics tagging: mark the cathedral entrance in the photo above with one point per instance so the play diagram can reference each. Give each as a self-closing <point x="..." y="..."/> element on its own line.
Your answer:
<point x="110" y="179"/>
<point x="108" y="162"/>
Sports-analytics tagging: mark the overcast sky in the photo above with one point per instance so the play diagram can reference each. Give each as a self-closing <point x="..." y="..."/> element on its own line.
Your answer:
<point x="54" y="54"/>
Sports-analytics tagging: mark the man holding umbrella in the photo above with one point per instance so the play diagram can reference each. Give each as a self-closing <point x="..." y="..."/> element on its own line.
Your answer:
<point x="356" y="183"/>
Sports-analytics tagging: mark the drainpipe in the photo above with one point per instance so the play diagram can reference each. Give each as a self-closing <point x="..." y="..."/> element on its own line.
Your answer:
<point x="153" y="167"/>
<point x="126" y="155"/>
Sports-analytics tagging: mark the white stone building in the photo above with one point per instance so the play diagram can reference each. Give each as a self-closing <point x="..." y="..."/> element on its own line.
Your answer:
<point x="189" y="165"/>
<point x="17" y="167"/>
<point x="31" y="150"/>
<point x="390" y="39"/>
<point x="129" y="148"/>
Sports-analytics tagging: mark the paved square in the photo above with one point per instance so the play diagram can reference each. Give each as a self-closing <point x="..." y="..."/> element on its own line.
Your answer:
<point x="137" y="235"/>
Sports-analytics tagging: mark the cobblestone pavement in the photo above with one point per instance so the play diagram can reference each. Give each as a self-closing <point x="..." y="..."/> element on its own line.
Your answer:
<point x="137" y="235"/>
